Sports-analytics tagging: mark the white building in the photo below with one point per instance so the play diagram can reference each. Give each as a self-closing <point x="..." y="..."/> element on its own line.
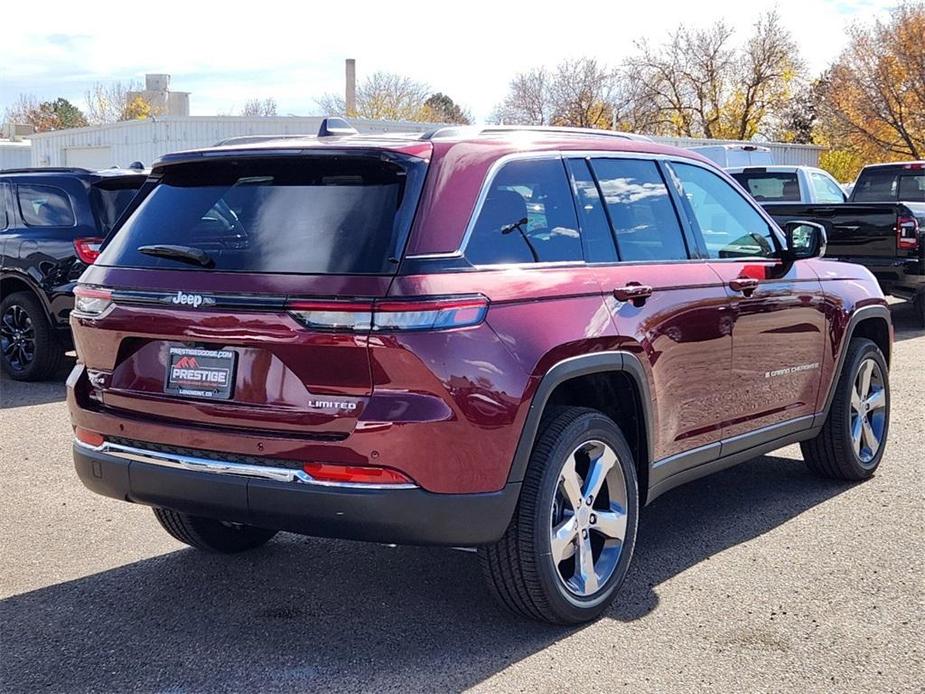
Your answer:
<point x="120" y="144"/>
<point x="15" y="154"/>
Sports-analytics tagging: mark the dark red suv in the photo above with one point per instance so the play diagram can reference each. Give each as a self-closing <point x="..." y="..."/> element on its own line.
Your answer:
<point x="503" y="339"/>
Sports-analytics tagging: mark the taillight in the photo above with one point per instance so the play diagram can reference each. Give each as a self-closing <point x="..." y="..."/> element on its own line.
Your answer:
<point x="355" y="474"/>
<point x="91" y="301"/>
<point x="88" y="250"/>
<point x="907" y="234"/>
<point x="90" y="438"/>
<point x="391" y="314"/>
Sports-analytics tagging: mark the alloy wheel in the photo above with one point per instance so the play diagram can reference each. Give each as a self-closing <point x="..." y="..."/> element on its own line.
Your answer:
<point x="17" y="337"/>
<point x="589" y="517"/>
<point x="868" y="411"/>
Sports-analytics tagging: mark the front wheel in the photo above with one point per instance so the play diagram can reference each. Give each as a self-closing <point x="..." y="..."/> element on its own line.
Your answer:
<point x="570" y="542"/>
<point x="851" y="443"/>
<point x="212" y="535"/>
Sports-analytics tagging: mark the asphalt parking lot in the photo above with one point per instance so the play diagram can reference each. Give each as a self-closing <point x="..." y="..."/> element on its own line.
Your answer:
<point x="760" y="578"/>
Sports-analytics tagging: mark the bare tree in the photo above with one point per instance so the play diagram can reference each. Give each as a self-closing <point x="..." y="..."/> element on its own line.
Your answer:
<point x="110" y="103"/>
<point x="260" y="107"/>
<point x="529" y="99"/>
<point x="382" y="96"/>
<point x="699" y="84"/>
<point x="582" y="94"/>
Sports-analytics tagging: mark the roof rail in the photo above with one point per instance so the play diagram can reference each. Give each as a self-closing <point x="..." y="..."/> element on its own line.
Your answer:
<point x="47" y="169"/>
<point x="457" y="131"/>
<point x="256" y="139"/>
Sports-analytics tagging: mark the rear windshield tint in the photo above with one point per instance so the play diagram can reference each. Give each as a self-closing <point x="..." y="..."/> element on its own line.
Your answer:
<point x="316" y="215"/>
<point x="885" y="186"/>
<point x="770" y="187"/>
<point x="110" y="198"/>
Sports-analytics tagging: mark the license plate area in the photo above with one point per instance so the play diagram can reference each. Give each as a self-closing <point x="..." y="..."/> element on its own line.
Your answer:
<point x="200" y="373"/>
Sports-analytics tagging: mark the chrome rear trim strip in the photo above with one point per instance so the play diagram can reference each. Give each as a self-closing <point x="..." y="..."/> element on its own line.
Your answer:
<point x="219" y="467"/>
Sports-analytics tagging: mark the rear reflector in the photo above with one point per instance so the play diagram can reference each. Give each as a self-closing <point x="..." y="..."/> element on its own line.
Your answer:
<point x="907" y="234"/>
<point x="90" y="438"/>
<point x="88" y="250"/>
<point x="91" y="301"/>
<point x="391" y="314"/>
<point x="350" y="474"/>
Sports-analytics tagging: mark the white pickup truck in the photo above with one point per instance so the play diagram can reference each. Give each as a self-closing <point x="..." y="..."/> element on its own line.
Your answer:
<point x="804" y="184"/>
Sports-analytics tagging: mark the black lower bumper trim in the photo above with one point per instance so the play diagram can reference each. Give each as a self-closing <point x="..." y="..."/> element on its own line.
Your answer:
<point x="401" y="516"/>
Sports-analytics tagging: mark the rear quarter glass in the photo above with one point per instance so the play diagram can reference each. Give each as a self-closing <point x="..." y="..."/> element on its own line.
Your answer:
<point x="308" y="215"/>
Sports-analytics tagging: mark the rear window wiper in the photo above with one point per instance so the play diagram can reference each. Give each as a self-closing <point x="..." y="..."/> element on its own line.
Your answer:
<point x="184" y="254"/>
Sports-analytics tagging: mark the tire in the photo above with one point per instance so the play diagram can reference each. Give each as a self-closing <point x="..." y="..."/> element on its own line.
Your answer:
<point x="520" y="569"/>
<point x="29" y="348"/>
<point x="843" y="450"/>
<point x="212" y="535"/>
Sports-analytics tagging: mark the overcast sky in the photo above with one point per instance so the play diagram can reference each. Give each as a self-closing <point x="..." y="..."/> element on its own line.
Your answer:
<point x="225" y="53"/>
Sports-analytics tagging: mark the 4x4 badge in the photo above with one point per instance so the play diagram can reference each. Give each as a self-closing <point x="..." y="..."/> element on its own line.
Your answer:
<point x="194" y="300"/>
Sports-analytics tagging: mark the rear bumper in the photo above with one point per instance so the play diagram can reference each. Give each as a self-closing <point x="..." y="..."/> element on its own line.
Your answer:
<point x="402" y="516"/>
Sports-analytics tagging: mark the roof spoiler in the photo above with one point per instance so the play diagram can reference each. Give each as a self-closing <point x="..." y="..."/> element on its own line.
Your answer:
<point x="336" y="127"/>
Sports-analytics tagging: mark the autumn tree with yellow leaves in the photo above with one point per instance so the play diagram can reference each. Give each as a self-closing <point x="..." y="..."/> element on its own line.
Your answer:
<point x="873" y="104"/>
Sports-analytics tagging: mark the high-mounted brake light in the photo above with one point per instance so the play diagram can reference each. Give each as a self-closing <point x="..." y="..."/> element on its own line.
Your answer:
<point x="91" y="301"/>
<point x="355" y="474"/>
<point x="391" y="314"/>
<point x="917" y="166"/>
<point x="907" y="234"/>
<point x="88" y="250"/>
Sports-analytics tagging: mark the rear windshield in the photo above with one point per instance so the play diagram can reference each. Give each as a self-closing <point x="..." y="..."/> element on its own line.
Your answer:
<point x="316" y="215"/>
<point x="886" y="186"/>
<point x="770" y="187"/>
<point x="110" y="198"/>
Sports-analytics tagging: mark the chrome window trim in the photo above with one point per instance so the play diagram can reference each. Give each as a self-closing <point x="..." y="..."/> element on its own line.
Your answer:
<point x="495" y="167"/>
<point x="218" y="467"/>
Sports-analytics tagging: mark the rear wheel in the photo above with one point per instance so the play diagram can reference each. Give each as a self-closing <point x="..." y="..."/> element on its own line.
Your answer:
<point x="570" y="543"/>
<point x="212" y="535"/>
<point x="851" y="443"/>
<point x="29" y="349"/>
<point x="919" y="306"/>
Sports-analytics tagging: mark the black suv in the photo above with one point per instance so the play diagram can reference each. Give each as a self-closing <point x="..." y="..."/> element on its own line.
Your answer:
<point x="51" y="224"/>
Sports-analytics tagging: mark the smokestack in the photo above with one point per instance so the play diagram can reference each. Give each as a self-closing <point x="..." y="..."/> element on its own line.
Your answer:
<point x="350" y="96"/>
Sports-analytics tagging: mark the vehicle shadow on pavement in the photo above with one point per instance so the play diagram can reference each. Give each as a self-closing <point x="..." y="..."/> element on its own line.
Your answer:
<point x="305" y="613"/>
<point x="906" y="324"/>
<point x="692" y="523"/>
<point x="23" y="393"/>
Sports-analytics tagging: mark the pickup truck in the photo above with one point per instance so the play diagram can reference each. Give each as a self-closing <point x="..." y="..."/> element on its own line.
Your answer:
<point x="788" y="184"/>
<point x="881" y="226"/>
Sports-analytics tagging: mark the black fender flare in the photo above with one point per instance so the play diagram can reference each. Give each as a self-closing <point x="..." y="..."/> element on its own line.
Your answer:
<point x="574" y="367"/>
<point x="861" y="314"/>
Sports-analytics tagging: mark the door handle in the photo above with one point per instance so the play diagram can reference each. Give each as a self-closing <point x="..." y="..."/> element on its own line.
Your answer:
<point x="746" y="285"/>
<point x="637" y="293"/>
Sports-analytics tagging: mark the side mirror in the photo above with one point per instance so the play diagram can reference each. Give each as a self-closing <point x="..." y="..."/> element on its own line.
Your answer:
<point x="804" y="240"/>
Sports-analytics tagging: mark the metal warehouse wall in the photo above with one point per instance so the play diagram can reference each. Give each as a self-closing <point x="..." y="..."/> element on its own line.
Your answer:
<point x="145" y="141"/>
<point x="120" y="144"/>
<point x="15" y="155"/>
<point x="784" y="153"/>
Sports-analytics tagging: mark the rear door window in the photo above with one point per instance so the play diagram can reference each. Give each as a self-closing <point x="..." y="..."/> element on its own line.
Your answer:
<point x="528" y="216"/>
<point x="641" y="212"/>
<point x="110" y="198"/>
<point x="729" y="225"/>
<point x="769" y="186"/>
<point x="315" y="215"/>
<point x="595" y="229"/>
<point x="826" y="189"/>
<point x="44" y="206"/>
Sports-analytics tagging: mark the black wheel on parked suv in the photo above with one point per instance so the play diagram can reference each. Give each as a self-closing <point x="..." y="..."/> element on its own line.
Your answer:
<point x="570" y="542"/>
<point x="212" y="535"/>
<point x="29" y="349"/>
<point x="851" y="443"/>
